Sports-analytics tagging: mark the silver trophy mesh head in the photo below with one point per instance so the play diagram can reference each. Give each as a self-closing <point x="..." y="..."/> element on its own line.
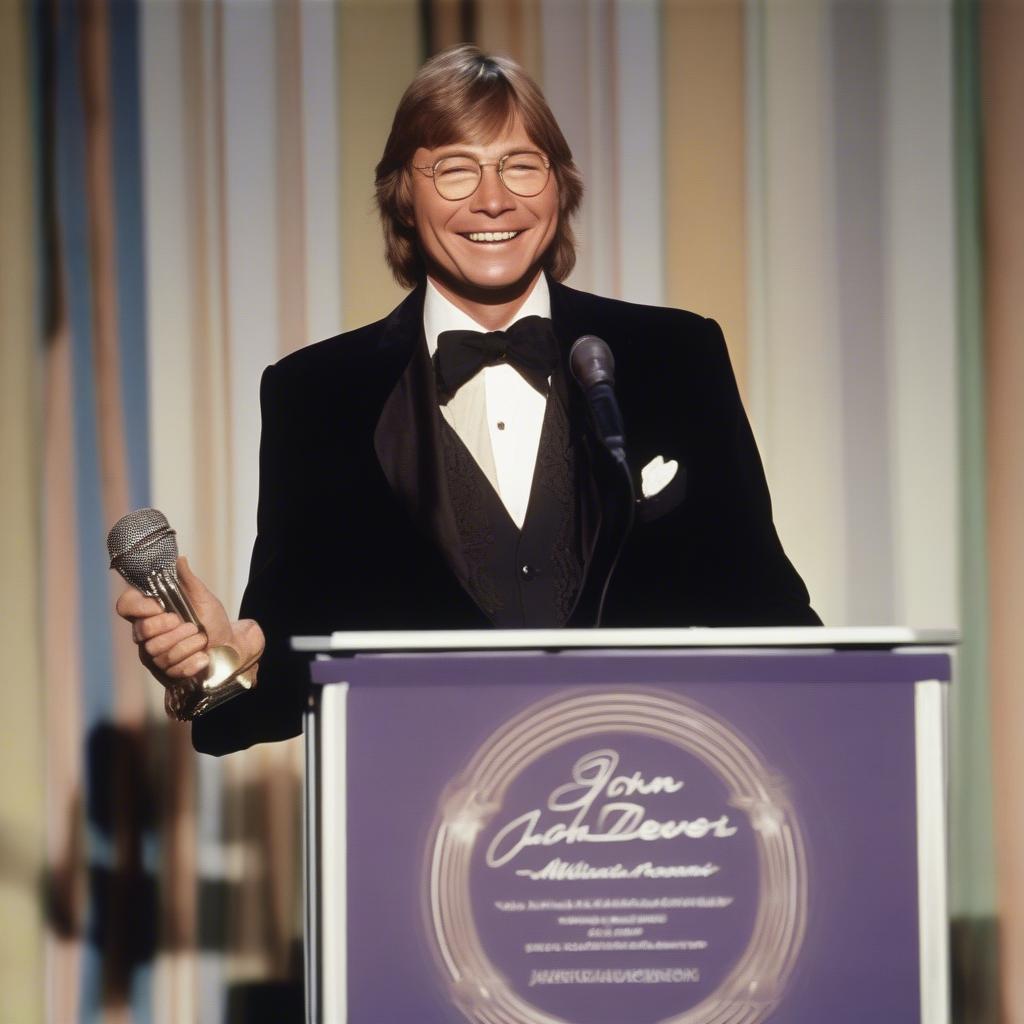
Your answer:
<point x="140" y="544"/>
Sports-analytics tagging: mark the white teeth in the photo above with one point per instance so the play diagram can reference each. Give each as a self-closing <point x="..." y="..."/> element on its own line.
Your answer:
<point x="491" y="236"/>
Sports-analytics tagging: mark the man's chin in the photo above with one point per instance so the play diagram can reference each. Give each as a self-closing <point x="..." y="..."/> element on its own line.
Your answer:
<point x="489" y="289"/>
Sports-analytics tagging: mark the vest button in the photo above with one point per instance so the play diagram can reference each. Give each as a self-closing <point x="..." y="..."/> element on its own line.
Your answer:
<point x="528" y="572"/>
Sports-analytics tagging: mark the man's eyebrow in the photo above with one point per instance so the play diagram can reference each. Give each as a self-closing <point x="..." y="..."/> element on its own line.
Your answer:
<point x="478" y="152"/>
<point x="469" y="148"/>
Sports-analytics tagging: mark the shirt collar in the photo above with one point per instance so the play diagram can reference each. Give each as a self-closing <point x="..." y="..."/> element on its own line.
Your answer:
<point x="440" y="314"/>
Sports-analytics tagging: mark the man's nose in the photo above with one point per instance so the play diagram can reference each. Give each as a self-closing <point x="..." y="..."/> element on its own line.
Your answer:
<point x="491" y="196"/>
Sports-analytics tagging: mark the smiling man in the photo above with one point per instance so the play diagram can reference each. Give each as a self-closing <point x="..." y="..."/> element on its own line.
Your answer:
<point x="485" y="216"/>
<point x="436" y="469"/>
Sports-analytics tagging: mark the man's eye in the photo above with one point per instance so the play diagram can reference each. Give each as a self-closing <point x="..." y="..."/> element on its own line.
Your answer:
<point x="524" y="162"/>
<point x="455" y="170"/>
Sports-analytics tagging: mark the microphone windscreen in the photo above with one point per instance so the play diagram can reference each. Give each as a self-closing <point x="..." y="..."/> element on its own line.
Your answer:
<point x="140" y="544"/>
<point x="591" y="362"/>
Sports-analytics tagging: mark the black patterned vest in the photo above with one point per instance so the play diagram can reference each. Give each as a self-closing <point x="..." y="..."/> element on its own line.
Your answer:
<point x="530" y="577"/>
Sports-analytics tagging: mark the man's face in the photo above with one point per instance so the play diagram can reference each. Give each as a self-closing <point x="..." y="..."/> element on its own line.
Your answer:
<point x="450" y="232"/>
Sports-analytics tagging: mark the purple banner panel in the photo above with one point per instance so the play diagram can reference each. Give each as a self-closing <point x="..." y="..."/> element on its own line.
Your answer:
<point x="664" y="838"/>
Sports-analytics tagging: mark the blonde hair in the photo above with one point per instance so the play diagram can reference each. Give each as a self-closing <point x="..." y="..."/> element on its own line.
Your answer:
<point x="463" y="95"/>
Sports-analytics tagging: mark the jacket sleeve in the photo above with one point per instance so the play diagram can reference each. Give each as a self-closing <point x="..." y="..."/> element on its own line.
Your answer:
<point x="751" y="580"/>
<point x="273" y="709"/>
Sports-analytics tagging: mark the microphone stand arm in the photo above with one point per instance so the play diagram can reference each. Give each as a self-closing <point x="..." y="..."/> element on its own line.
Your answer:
<point x="617" y="516"/>
<point x="615" y="522"/>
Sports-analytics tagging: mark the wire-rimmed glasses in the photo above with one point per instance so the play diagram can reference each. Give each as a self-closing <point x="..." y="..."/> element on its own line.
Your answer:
<point x="457" y="176"/>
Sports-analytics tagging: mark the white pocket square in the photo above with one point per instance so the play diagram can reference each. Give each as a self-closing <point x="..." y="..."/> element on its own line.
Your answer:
<point x="657" y="475"/>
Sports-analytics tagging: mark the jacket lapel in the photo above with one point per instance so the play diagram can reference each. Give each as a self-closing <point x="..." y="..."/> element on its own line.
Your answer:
<point x="407" y="438"/>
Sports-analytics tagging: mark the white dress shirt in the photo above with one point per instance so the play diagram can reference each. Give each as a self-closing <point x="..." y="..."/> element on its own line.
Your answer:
<point x="497" y="415"/>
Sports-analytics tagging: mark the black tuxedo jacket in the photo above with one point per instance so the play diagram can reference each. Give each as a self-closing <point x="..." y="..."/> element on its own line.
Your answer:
<point x="355" y="530"/>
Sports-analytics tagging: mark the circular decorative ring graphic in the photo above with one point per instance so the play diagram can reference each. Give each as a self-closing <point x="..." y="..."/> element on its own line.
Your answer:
<point x="754" y="985"/>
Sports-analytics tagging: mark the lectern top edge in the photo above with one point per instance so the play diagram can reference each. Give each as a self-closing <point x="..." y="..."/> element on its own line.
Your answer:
<point x="849" y="637"/>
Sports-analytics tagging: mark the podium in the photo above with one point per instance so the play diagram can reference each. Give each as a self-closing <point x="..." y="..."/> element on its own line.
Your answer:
<point x="688" y="826"/>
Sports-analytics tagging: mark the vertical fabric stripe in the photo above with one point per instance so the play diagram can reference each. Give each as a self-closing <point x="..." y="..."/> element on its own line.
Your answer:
<point x="98" y="972"/>
<point x="243" y="172"/>
<point x="756" y="192"/>
<point x="1002" y="36"/>
<point x="530" y="51"/>
<point x="22" y="739"/>
<point x="62" y="665"/>
<point x="794" y="357"/>
<point x="100" y="212"/>
<point x="858" y="48"/>
<point x="128" y="907"/>
<point x="497" y="27"/>
<point x="971" y="854"/>
<point x="278" y="832"/>
<point x="102" y="188"/>
<point x="180" y="279"/>
<point x="511" y="29"/>
<point x="281" y="768"/>
<point x="598" y="162"/>
<point x="205" y="492"/>
<point x="321" y="170"/>
<point x="564" y="63"/>
<point x="446" y="23"/>
<point x="251" y="251"/>
<point x="291" y="177"/>
<point x="705" y="173"/>
<point x="193" y="278"/>
<point x="379" y="52"/>
<point x="170" y="211"/>
<point x="580" y="82"/>
<point x="125" y="85"/>
<point x="641" y="243"/>
<point x="921" y="317"/>
<point x="188" y="34"/>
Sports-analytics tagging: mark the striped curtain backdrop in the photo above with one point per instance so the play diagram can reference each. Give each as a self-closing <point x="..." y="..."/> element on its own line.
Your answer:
<point x="186" y="196"/>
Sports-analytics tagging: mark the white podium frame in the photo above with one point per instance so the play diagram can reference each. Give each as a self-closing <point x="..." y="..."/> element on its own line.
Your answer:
<point x="325" y="810"/>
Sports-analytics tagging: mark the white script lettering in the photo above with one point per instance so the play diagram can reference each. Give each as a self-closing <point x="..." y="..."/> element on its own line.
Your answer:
<point x="614" y="822"/>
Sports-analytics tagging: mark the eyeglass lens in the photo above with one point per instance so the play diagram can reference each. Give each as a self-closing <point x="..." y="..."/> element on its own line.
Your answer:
<point x="457" y="177"/>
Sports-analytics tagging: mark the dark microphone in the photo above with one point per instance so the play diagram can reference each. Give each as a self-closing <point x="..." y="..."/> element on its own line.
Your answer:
<point x="593" y="366"/>
<point x="143" y="549"/>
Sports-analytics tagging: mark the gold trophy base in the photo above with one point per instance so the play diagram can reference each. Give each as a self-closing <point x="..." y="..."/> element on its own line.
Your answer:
<point x="226" y="677"/>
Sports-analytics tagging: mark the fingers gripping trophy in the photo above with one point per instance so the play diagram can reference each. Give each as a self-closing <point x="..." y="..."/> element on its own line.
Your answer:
<point x="183" y="633"/>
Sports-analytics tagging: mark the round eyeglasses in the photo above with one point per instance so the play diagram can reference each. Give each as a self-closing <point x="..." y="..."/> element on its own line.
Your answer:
<point x="458" y="176"/>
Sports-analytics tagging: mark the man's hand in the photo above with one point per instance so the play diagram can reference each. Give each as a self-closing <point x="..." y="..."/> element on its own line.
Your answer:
<point x="174" y="650"/>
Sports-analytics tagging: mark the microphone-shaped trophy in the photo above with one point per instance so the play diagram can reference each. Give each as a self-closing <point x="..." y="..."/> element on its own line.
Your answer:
<point x="143" y="550"/>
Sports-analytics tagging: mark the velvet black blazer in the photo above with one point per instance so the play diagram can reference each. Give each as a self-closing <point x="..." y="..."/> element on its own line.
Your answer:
<point x="354" y="530"/>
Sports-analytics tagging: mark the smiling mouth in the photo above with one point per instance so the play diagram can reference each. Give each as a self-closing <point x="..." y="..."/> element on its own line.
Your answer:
<point x="491" y="236"/>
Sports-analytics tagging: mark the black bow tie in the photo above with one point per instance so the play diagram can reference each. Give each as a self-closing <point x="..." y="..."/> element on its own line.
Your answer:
<point x="529" y="346"/>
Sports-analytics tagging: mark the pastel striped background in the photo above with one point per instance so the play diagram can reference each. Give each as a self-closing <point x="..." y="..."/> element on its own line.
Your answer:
<point x="185" y="194"/>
